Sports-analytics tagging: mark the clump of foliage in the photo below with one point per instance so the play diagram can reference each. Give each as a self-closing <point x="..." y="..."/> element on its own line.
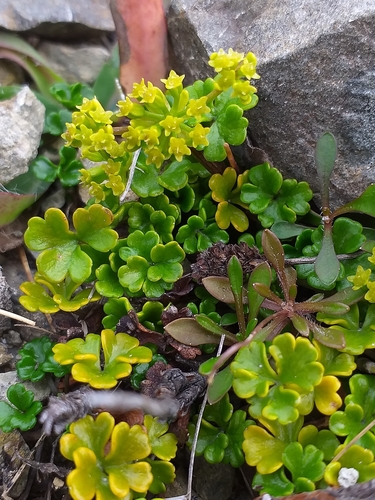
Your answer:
<point x="208" y="253"/>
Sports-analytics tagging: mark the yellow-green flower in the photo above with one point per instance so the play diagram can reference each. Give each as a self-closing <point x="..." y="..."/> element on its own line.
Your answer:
<point x="155" y="156"/>
<point x="178" y="148"/>
<point x="96" y="191"/>
<point x="243" y="90"/>
<point x="198" y="107"/>
<point x="70" y="133"/>
<point x="85" y="176"/>
<point x="360" y="278"/>
<point x="83" y="134"/>
<point x="370" y="295"/>
<point x="133" y="137"/>
<point x="151" y="136"/>
<point x="112" y="167"/>
<point x="149" y="95"/>
<point x="226" y="79"/>
<point x="171" y="124"/>
<point x="173" y="81"/>
<point x="103" y="138"/>
<point x="139" y="89"/>
<point x="199" y="135"/>
<point x="115" y="183"/>
<point x="248" y="68"/>
<point x="222" y="60"/>
<point x="372" y="258"/>
<point x="125" y="107"/>
<point x="95" y="110"/>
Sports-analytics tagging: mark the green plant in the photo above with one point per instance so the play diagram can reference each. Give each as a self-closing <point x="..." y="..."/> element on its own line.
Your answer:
<point x="21" y="411"/>
<point x="120" y="352"/>
<point x="287" y="293"/>
<point x="125" y="468"/>
<point x="37" y="360"/>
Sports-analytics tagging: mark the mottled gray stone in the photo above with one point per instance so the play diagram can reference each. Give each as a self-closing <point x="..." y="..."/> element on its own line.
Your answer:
<point x="5" y="302"/>
<point x="75" y="62"/>
<point x="59" y="19"/>
<point x="317" y="63"/>
<point x="21" y="125"/>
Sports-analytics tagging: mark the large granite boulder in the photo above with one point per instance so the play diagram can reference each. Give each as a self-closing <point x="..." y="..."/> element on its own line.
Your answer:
<point x="317" y="63"/>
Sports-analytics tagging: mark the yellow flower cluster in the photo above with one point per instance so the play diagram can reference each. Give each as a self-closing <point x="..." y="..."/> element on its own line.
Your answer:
<point x="164" y="125"/>
<point x="362" y="278"/>
<point x="170" y="124"/>
<point x="233" y="67"/>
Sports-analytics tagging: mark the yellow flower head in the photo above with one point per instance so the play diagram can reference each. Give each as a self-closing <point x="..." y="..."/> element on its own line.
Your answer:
<point x="248" y="68"/>
<point x="155" y="156"/>
<point x="360" y="278"/>
<point x="103" y="138"/>
<point x="139" y="89"/>
<point x="171" y="124"/>
<point x="173" y="81"/>
<point x="372" y="258"/>
<point x="96" y="191"/>
<point x="94" y="109"/>
<point x="151" y="136"/>
<point x="197" y="107"/>
<point x="226" y="79"/>
<point x="199" y="135"/>
<point x="243" y="90"/>
<point x="178" y="148"/>
<point x="125" y="107"/>
<point x="222" y="60"/>
<point x="370" y="295"/>
<point x="133" y="137"/>
<point x="115" y="183"/>
<point x="112" y="167"/>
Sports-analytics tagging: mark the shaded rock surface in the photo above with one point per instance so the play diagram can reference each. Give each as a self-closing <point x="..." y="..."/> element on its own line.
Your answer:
<point x="78" y="62"/>
<point x="57" y="18"/>
<point x="21" y="125"/>
<point x="316" y="60"/>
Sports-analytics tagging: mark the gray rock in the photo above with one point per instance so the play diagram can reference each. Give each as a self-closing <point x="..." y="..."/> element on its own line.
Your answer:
<point x="21" y="125"/>
<point x="59" y="19"/>
<point x="5" y="357"/>
<point x="40" y="389"/>
<point x="75" y="62"/>
<point x="5" y="302"/>
<point x="213" y="481"/>
<point x="316" y="60"/>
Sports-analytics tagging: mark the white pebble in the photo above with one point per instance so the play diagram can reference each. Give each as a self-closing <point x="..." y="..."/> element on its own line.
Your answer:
<point x="348" y="477"/>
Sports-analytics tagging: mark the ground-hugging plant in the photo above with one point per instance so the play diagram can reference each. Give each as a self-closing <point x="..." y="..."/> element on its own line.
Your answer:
<point x="246" y="242"/>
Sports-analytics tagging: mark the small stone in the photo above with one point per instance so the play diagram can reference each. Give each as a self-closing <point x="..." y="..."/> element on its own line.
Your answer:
<point x="21" y="126"/>
<point x="5" y="357"/>
<point x="347" y="477"/>
<point x="12" y="338"/>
